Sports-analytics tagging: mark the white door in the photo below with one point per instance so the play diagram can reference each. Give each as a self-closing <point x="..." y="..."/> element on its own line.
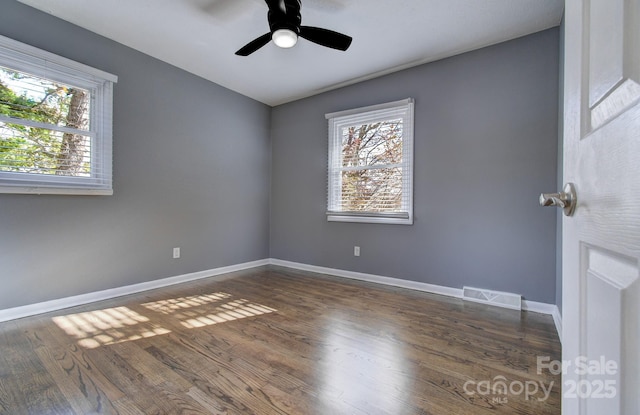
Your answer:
<point x="601" y="241"/>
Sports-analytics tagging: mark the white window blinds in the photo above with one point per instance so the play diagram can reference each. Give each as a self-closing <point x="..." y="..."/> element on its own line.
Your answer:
<point x="55" y="123"/>
<point x="371" y="164"/>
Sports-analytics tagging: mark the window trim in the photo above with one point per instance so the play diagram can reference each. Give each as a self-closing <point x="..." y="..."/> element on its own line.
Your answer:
<point x="369" y="114"/>
<point x="22" y="57"/>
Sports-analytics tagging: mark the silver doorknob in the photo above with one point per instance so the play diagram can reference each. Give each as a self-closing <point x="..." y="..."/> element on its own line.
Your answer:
<point x="565" y="199"/>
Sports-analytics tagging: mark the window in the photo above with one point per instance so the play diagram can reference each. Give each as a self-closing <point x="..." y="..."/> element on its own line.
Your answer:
<point x="55" y="123"/>
<point x="371" y="164"/>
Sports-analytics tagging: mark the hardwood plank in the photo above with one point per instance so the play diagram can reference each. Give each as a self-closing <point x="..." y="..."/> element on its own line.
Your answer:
<point x="77" y="384"/>
<point x="11" y="396"/>
<point x="148" y="397"/>
<point x="36" y="393"/>
<point x="126" y="406"/>
<point x="277" y="341"/>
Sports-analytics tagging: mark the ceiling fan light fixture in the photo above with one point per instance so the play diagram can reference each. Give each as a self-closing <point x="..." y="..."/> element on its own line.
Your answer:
<point x="285" y="27"/>
<point x="284" y="38"/>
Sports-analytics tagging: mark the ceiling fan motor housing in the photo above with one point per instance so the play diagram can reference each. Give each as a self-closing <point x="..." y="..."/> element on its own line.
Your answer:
<point x="290" y="18"/>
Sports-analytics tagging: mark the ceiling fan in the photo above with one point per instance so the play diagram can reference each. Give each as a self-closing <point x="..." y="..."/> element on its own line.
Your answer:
<point x="285" y="24"/>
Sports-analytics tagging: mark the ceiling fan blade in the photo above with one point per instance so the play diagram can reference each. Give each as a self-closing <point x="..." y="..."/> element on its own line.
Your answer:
<point x="276" y="5"/>
<point x="325" y="37"/>
<point x="254" y="45"/>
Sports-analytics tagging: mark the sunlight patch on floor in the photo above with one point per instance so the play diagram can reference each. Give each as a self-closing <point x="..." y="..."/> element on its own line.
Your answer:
<point x="120" y="324"/>
<point x="200" y="310"/>
<point x="174" y="304"/>
<point x="232" y="310"/>
<point x="108" y="326"/>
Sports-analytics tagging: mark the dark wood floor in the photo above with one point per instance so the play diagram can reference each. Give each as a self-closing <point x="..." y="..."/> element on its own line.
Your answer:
<point x="277" y="341"/>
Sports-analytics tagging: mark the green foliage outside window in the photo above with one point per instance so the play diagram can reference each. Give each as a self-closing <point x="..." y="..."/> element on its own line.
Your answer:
<point x="38" y="147"/>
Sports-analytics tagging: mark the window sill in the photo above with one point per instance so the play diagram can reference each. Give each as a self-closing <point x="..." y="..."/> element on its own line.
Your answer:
<point x="370" y="219"/>
<point x="24" y="190"/>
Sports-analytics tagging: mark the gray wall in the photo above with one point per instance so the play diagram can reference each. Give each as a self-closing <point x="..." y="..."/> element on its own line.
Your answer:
<point x="191" y="169"/>
<point x="486" y="145"/>
<point x="486" y="135"/>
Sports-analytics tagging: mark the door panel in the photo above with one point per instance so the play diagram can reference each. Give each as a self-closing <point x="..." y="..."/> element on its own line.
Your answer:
<point x="614" y="69"/>
<point x="610" y="319"/>
<point x="601" y="242"/>
<point x="606" y="48"/>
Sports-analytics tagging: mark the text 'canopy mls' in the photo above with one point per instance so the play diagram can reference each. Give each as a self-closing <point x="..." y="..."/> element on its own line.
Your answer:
<point x="48" y="135"/>
<point x="372" y="171"/>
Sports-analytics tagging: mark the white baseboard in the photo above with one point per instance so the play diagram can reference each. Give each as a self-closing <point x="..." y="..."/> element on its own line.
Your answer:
<point x="76" y="300"/>
<point x="413" y="285"/>
<point x="527" y="305"/>
<point x="557" y="319"/>
<point x="536" y="307"/>
<point x="62" y="303"/>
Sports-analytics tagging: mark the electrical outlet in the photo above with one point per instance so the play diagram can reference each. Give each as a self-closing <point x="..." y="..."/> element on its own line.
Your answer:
<point x="176" y="252"/>
<point x="356" y="251"/>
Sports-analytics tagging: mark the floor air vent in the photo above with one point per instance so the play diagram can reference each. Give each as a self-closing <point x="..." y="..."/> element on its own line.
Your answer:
<point x="497" y="298"/>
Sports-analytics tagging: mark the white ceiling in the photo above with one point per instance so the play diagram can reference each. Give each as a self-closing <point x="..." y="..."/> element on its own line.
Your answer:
<point x="201" y="36"/>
